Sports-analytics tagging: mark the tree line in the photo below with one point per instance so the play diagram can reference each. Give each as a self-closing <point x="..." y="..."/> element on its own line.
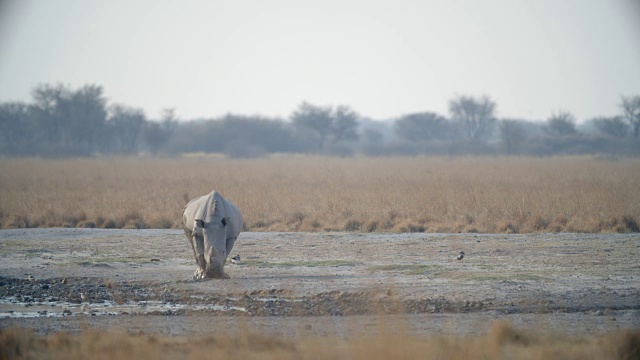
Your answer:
<point x="63" y="121"/>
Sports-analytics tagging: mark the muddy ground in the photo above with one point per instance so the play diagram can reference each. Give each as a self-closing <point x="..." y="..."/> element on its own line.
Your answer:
<point x="319" y="283"/>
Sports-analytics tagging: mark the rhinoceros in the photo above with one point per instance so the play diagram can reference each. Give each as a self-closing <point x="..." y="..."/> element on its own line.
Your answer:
<point x="212" y="224"/>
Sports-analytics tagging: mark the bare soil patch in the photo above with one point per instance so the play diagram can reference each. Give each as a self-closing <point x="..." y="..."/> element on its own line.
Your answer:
<point x="319" y="282"/>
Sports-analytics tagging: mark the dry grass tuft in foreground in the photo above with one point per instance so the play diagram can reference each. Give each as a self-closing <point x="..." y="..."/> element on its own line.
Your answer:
<point x="401" y="194"/>
<point x="502" y="341"/>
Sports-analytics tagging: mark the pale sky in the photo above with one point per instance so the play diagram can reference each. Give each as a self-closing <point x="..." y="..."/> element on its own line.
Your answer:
<point x="382" y="58"/>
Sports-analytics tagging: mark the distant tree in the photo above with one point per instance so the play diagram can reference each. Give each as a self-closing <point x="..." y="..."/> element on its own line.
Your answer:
<point x="49" y="111"/>
<point x="561" y="124"/>
<point x="344" y="127"/>
<point x="169" y="120"/>
<point x="631" y="108"/>
<point x="156" y="134"/>
<point x="327" y="129"/>
<point x="125" y="123"/>
<point x="68" y="119"/>
<point x="86" y="111"/>
<point x="372" y="142"/>
<point x="477" y="116"/>
<point x="169" y="117"/>
<point x="254" y="136"/>
<point x="612" y="126"/>
<point x="15" y="128"/>
<point x="313" y="122"/>
<point x="512" y="132"/>
<point x="421" y="127"/>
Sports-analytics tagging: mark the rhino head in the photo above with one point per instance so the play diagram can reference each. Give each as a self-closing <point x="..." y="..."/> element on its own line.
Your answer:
<point x="211" y="238"/>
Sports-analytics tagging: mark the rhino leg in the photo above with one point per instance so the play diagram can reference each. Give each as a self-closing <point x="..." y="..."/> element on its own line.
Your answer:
<point x="229" y="244"/>
<point x="197" y="244"/>
<point x="199" y="274"/>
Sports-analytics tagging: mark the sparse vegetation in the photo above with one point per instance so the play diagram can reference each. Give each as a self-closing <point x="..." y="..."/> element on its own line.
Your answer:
<point x="316" y="263"/>
<point x="502" y="341"/>
<point x="409" y="269"/>
<point x="395" y="194"/>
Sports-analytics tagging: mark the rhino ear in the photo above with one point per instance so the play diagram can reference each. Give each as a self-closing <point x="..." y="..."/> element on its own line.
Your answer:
<point x="199" y="223"/>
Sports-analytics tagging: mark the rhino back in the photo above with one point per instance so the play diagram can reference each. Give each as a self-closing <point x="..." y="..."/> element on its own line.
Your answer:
<point x="235" y="217"/>
<point x="194" y="210"/>
<point x="210" y="206"/>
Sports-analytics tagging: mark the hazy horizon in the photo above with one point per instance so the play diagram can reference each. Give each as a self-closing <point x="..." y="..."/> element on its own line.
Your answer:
<point x="383" y="59"/>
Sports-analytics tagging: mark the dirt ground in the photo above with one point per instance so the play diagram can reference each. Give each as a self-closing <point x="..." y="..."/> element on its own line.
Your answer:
<point x="319" y="283"/>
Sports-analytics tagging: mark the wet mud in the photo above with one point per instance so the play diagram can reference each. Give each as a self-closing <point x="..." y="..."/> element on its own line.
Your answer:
<point x="54" y="279"/>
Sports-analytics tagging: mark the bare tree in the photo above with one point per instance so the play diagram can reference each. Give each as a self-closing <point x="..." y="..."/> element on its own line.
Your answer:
<point x="631" y="107"/>
<point x="476" y="115"/>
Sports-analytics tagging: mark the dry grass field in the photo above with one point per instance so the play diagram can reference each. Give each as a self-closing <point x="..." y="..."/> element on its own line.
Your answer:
<point x="502" y="341"/>
<point x="423" y="194"/>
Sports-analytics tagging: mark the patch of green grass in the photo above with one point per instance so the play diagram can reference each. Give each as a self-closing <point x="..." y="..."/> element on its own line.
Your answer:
<point x="487" y="266"/>
<point x="409" y="269"/>
<point x="317" y="263"/>
<point x="96" y="261"/>
<point x="24" y="247"/>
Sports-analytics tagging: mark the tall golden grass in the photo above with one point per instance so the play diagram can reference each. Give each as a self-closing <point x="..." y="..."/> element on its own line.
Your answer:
<point x="398" y="194"/>
<point x="502" y="341"/>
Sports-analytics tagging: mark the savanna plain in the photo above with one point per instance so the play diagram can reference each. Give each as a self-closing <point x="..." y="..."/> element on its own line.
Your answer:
<point x="341" y="258"/>
<point x="479" y="195"/>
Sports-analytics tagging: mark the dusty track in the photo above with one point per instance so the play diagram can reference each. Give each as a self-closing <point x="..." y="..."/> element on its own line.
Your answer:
<point x="289" y="282"/>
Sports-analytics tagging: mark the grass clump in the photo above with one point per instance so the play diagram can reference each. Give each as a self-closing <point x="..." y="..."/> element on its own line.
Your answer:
<point x="501" y="341"/>
<point x="409" y="269"/>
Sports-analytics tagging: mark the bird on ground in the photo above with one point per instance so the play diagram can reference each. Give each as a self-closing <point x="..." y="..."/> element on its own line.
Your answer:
<point x="460" y="255"/>
<point x="31" y="278"/>
<point x="64" y="281"/>
<point x="235" y="260"/>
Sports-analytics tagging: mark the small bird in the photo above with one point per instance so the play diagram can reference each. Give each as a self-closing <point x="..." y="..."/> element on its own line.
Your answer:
<point x="235" y="260"/>
<point x="64" y="281"/>
<point x="31" y="278"/>
<point x="460" y="255"/>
